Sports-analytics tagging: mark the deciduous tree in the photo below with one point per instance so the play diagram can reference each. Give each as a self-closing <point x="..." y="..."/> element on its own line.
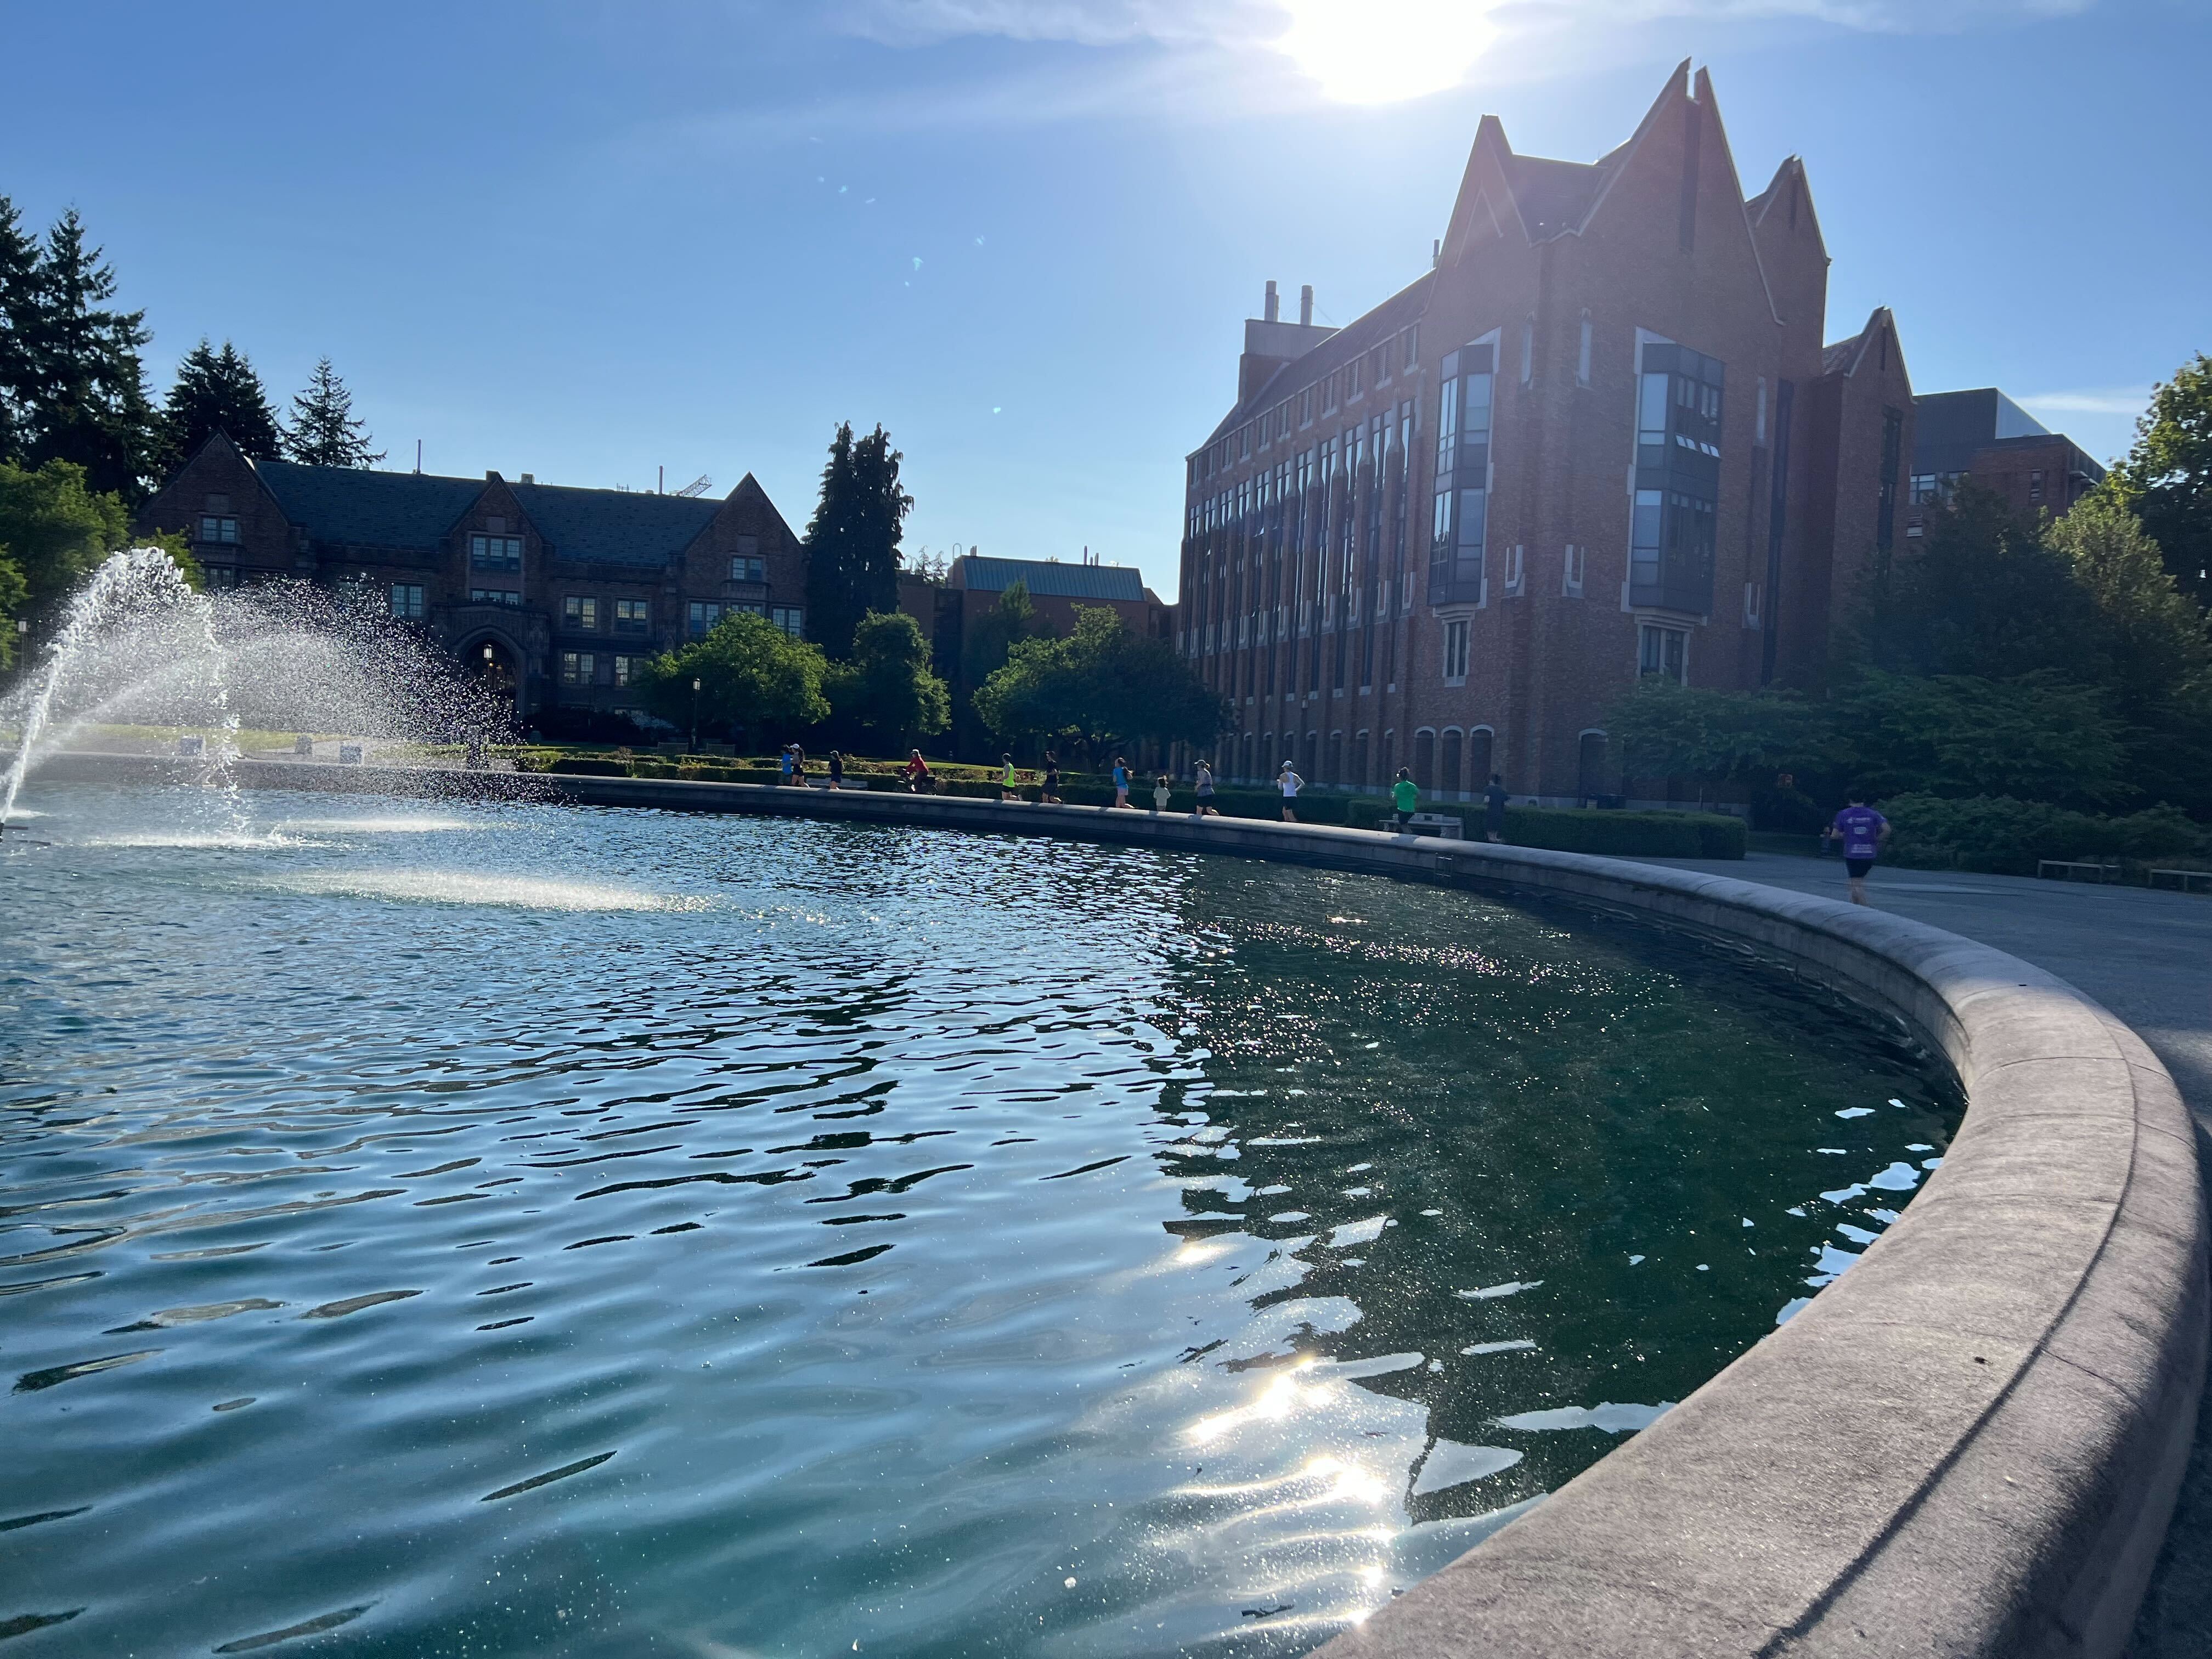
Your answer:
<point x="887" y="688"/>
<point x="1101" y="683"/>
<point x="753" y="675"/>
<point x="2166" y="479"/>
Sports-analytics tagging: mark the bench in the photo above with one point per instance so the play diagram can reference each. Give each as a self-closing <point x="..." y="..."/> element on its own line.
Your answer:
<point x="2068" y="867"/>
<point x="1442" y="825"/>
<point x="2186" y="880"/>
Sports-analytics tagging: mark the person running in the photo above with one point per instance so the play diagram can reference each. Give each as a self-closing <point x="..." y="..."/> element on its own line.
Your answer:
<point x="1405" y="796"/>
<point x="1162" y="792"/>
<point x="1289" y="782"/>
<point x="1864" y="832"/>
<point x="798" y="766"/>
<point x="1121" y="782"/>
<point x="1493" y="812"/>
<point x="1205" y="807"/>
<point x="918" y="779"/>
<point x="783" y="768"/>
<point x="836" y="770"/>
<point x="1049" y="795"/>
<point x="1006" y="790"/>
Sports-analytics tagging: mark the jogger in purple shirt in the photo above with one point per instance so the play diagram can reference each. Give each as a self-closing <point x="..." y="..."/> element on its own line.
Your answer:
<point x="1864" y="832"/>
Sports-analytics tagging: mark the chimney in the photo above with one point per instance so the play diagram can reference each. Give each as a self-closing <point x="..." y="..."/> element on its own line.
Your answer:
<point x="1305" y="306"/>
<point x="1274" y="308"/>
<point x="1436" y="252"/>
<point x="530" y="477"/>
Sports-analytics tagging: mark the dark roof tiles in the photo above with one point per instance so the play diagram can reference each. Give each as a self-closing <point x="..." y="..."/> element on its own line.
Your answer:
<point x="353" y="507"/>
<point x="1048" y="578"/>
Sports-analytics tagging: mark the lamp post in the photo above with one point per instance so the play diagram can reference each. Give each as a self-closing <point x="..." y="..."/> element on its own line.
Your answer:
<point x="694" y="716"/>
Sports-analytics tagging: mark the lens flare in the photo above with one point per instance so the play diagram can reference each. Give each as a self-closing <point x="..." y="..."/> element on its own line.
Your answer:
<point x="1385" y="51"/>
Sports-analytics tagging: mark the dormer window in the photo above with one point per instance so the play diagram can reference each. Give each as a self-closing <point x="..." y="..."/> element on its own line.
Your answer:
<point x="748" y="569"/>
<point x="496" y="552"/>
<point x="217" y="527"/>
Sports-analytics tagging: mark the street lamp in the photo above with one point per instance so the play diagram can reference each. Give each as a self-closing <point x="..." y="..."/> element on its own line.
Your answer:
<point x="694" y="716"/>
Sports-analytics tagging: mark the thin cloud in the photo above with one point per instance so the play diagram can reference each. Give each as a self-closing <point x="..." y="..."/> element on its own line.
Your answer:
<point x="2122" y="401"/>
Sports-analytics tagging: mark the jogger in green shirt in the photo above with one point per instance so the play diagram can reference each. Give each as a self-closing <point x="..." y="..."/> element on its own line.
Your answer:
<point x="1405" y="795"/>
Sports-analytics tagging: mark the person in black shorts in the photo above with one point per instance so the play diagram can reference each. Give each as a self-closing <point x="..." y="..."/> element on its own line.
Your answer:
<point x="1493" y="812"/>
<point x="1050" y="793"/>
<point x="1863" y="833"/>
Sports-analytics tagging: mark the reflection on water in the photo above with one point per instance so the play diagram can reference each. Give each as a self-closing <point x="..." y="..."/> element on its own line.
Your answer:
<point x="510" y="1230"/>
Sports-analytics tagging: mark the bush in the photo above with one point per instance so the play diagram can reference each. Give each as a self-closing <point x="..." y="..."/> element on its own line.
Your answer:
<point x="2005" y="836"/>
<point x="1583" y="829"/>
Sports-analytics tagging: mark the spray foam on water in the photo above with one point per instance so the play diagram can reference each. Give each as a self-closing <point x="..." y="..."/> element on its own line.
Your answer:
<point x="138" y="649"/>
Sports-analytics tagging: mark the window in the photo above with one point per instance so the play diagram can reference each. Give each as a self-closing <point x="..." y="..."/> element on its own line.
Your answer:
<point x="580" y="613"/>
<point x="1759" y="430"/>
<point x="1516" y="573"/>
<point x="1413" y="348"/>
<point x="2035" y="484"/>
<point x="1645" y="527"/>
<point x="1529" y="351"/>
<point x="791" y="618"/>
<point x="406" y="601"/>
<point x="1459" y="522"/>
<point x="744" y="569"/>
<point x="1673" y="518"/>
<point x="495" y="552"/>
<point x="1571" y="579"/>
<point x="505" y="596"/>
<point x="578" y="667"/>
<point x="701" y="618"/>
<point x="1663" y="652"/>
<point x="1454" y="653"/>
<point x="1583" y="354"/>
<point x="216" y="528"/>
<point x="222" y="576"/>
<point x="1754" y="599"/>
<point x="1924" y="489"/>
<point x="629" y="670"/>
<point x="633" y="616"/>
<point x="1352" y="378"/>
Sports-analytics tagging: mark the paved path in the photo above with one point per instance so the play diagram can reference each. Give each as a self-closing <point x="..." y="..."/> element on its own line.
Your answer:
<point x="2148" y="957"/>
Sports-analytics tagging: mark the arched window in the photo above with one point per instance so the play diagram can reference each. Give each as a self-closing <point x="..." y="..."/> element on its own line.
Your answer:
<point x="1312" y="768"/>
<point x="1448" y="773"/>
<point x="1425" y="757"/>
<point x="1479" y="743"/>
<point x="1593" y="769"/>
<point x="1336" y="773"/>
<point x="1360" y="778"/>
<point x="1386" y="759"/>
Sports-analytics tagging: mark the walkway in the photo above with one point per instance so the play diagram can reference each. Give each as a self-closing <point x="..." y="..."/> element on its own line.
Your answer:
<point x="2146" y="956"/>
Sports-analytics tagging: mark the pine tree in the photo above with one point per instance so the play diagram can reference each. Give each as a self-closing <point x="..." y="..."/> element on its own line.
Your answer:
<point x="19" y="310"/>
<point x="324" y="432"/>
<point x="852" y="540"/>
<point x="218" y="392"/>
<point x="88" y="386"/>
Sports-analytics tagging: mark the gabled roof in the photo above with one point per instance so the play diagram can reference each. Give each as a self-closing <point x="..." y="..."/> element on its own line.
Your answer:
<point x="355" y="506"/>
<point x="614" y="526"/>
<point x="1047" y="577"/>
<point x="1844" y="357"/>
<point x="1362" y="334"/>
<point x="1554" y="196"/>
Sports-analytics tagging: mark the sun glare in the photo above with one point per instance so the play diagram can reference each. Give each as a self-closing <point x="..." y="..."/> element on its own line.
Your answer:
<point x="1383" y="51"/>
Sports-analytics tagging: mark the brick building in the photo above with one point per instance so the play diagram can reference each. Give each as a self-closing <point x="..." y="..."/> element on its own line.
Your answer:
<point x="1600" y="438"/>
<point x="557" y="593"/>
<point x="1983" y="435"/>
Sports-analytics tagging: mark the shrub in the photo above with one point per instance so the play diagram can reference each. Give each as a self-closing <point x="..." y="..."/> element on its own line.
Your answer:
<point x="1582" y="830"/>
<point x="2007" y="837"/>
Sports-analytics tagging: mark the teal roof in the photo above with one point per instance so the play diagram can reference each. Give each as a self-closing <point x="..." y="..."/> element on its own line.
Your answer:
<point x="1049" y="577"/>
<point x="357" y="506"/>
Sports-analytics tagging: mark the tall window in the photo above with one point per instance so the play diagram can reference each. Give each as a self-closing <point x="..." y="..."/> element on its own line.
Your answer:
<point x="580" y="612"/>
<point x="791" y="618"/>
<point x="1459" y="522"/>
<point x="748" y="569"/>
<point x="1583" y="354"/>
<point x="1673" y="514"/>
<point x="407" y="601"/>
<point x="578" y="667"/>
<point x="1662" y="652"/>
<point x="633" y="616"/>
<point x="218" y="528"/>
<point x="700" y="616"/>
<point x="629" y="670"/>
<point x="495" y="552"/>
<point x="1455" y="652"/>
<point x="1893" y="447"/>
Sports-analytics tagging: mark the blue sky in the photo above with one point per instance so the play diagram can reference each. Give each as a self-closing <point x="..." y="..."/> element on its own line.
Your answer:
<point x="592" y="240"/>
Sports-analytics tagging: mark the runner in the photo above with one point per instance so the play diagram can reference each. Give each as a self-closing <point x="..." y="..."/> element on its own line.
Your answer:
<point x="836" y="770"/>
<point x="1289" y="781"/>
<point x="1162" y="791"/>
<point x="798" y="766"/>
<point x="1205" y="807"/>
<point x="1121" y="783"/>
<point x="1864" y="832"/>
<point x="783" y="767"/>
<point x="1006" y="790"/>
<point x="1049" y="795"/>
<point x="1405" y="796"/>
<point x="1493" y="816"/>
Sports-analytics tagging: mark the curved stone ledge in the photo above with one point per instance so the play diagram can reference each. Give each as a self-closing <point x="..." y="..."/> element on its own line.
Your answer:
<point x="1968" y="1444"/>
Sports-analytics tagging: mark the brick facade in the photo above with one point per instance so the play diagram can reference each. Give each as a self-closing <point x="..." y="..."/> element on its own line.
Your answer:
<point x="1375" y="581"/>
<point x="569" y="589"/>
<point x="1983" y="435"/>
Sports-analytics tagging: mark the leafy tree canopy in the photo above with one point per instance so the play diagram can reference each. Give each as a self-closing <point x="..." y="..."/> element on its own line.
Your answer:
<point x="852" y="540"/>
<point x="2165" y="480"/>
<point x="218" y="392"/>
<point x="752" y="677"/>
<point x="993" y="635"/>
<point x="55" y="530"/>
<point x="1666" y="730"/>
<point x="1100" y="683"/>
<point x="2155" y="638"/>
<point x="324" y="432"/>
<point x="888" y="688"/>
<point x="2038" y="735"/>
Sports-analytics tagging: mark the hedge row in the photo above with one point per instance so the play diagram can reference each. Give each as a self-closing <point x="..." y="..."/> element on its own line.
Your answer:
<point x="2005" y="836"/>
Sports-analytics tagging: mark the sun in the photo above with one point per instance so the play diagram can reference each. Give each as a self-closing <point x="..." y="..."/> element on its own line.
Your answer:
<point x="1383" y="52"/>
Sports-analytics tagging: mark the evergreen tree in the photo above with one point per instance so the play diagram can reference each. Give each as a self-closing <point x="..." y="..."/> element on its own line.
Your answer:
<point x="852" y="540"/>
<point x="324" y="432"/>
<point x="19" y="310"/>
<point x="2166" y="478"/>
<point x="218" y="392"/>
<point x="888" y="687"/>
<point x="88" y="403"/>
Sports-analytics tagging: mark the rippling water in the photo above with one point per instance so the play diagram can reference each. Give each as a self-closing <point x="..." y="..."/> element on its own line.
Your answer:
<point x="505" y="1231"/>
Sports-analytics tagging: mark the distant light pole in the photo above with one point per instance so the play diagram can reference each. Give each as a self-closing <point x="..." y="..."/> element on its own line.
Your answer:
<point x="694" y="716"/>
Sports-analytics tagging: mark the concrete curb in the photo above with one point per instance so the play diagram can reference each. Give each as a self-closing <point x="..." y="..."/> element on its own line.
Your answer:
<point x="1969" y="1444"/>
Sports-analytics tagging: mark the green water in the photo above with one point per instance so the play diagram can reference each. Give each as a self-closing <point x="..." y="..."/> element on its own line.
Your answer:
<point x="505" y="1230"/>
